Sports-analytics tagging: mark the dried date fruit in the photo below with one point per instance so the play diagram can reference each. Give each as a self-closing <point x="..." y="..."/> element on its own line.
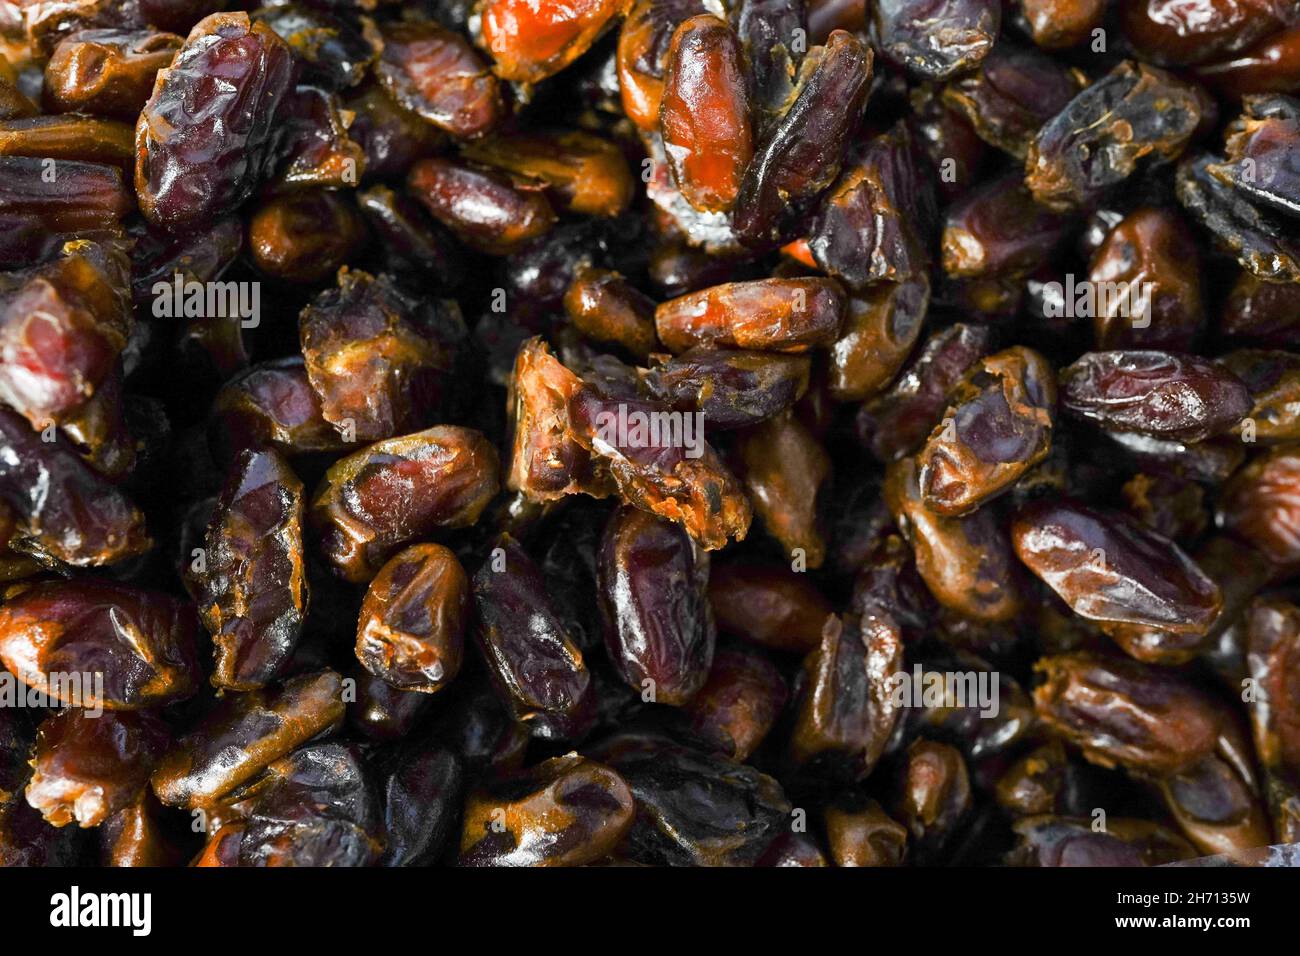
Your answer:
<point x="244" y="735"/>
<point x="87" y="768"/>
<point x="252" y="591"/>
<point x="864" y="835"/>
<point x="538" y="671"/>
<point x="1261" y="504"/>
<point x="652" y="582"/>
<point x="391" y="136"/>
<point x="106" y="72"/>
<point x="642" y="55"/>
<point x="376" y="500"/>
<point x="1273" y="378"/>
<point x="314" y="146"/>
<point x="422" y="798"/>
<point x="437" y="75"/>
<point x="411" y="630"/>
<point x="1161" y="394"/>
<point x="304" y="237"/>
<point x="483" y="208"/>
<point x="202" y="141"/>
<point x="936" y="38"/>
<point x="997" y="229"/>
<point x="997" y="426"/>
<point x="376" y="355"/>
<point x="738" y="704"/>
<point x="1051" y="841"/>
<point x="779" y="315"/>
<point x="584" y="174"/>
<point x="330" y="49"/>
<point x="97" y="644"/>
<point x="1260" y="147"/>
<point x="1172" y="35"/>
<point x="39" y="215"/>
<point x="531" y="41"/>
<point x="784" y="468"/>
<point x="1270" y="66"/>
<point x="731" y="388"/>
<point x="566" y="811"/>
<point x="274" y="404"/>
<point x="769" y="605"/>
<point x="1134" y="113"/>
<point x="606" y="308"/>
<point x="1265" y="314"/>
<point x="934" y="796"/>
<point x="704" y="113"/>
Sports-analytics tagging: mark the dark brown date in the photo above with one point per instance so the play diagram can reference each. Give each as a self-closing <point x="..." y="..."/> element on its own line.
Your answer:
<point x="304" y="237"/>
<point x="485" y="209"/>
<point x="107" y="72"/>
<point x="769" y="605"/>
<point x="437" y="75"/>
<point x="739" y="703"/>
<point x="778" y="315"/>
<point x="936" y="38"/>
<point x="1261" y="504"/>
<point x="784" y="468"/>
<point x="583" y="174"/>
<point x="732" y="388"/>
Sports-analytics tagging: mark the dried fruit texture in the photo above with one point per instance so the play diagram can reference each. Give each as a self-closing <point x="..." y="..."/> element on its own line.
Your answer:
<point x="896" y="422"/>
<point x="1258" y="313"/>
<point x="1261" y="147"/>
<point x="1098" y="140"/>
<point x="865" y="836"/>
<point x="1270" y="66"/>
<point x="1261" y="241"/>
<point x="608" y="309"/>
<point x="745" y="812"/>
<point x="704" y="113"/>
<point x="1152" y="259"/>
<point x="41" y="214"/>
<point x="313" y="145"/>
<point x="936" y="39"/>
<point x="997" y="426"/>
<point x="107" y="72"/>
<point x="847" y="711"/>
<point x="766" y="29"/>
<point x="86" y="138"/>
<point x="1273" y="658"/>
<point x="92" y="643"/>
<point x="966" y="562"/>
<point x="784" y="468"/>
<point x="244" y="735"/>
<point x="304" y="237"/>
<point x="1052" y="841"/>
<point x="1273" y="378"/>
<point x="252" y="591"/>
<point x="1013" y="93"/>
<point x="583" y="174"/>
<point x="1109" y="568"/>
<point x="877" y="221"/>
<point x="377" y="356"/>
<point x="316" y="807"/>
<point x="395" y="491"/>
<point x="731" y="388"/>
<point x="1261" y="504"/>
<point x="49" y="23"/>
<point x="998" y="229"/>
<point x="652" y="582"/>
<point x="538" y="671"/>
<point x="642" y="55"/>
<point x="329" y="48"/>
<point x="778" y="315"/>
<point x="530" y="41"/>
<point x="1216" y="805"/>
<point x="1175" y="35"/>
<point x="65" y="512"/>
<point x="437" y="75"/>
<point x="274" y="404"/>
<point x="422" y="799"/>
<point x="86" y="768"/>
<point x="411" y="630"/>
<point x="739" y="703"/>
<point x="485" y="209"/>
<point x="1059" y="24"/>
<point x="662" y="473"/>
<point x="802" y="152"/>
<point x="566" y="811"/>
<point x="769" y="605"/>
<point x="547" y="459"/>
<point x="1161" y="394"/>
<point x="1123" y="713"/>
<point x="202" y="141"/>
<point x="391" y="136"/>
<point x="63" y="326"/>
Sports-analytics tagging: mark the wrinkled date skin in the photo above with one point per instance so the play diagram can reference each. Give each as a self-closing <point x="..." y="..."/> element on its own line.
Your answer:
<point x="376" y="500"/>
<point x="605" y="307"/>
<point x="865" y="836"/>
<point x="1161" y="394"/>
<point x="658" y="625"/>
<point x="936" y="38"/>
<point x="846" y="711"/>
<point x="769" y="605"/>
<point x="784" y="469"/>
<point x="1109" y="568"/>
<point x="317" y="807"/>
<point x="202" y="139"/>
<point x="566" y="811"/>
<point x="87" y="768"/>
<point x="107" y="72"/>
<point x="739" y="703"/>
<point x="1100" y="137"/>
<point x="998" y="426"/>
<point x="411" y="630"/>
<point x="437" y="75"/>
<point x="537" y="669"/>
<point x="1261" y="504"/>
<point x="731" y="388"/>
<point x="246" y="734"/>
<point x="777" y="315"/>
<point x="274" y="404"/>
<point x="582" y="173"/>
<point x="376" y="355"/>
<point x="642" y="55"/>
<point x="801" y="153"/>
<point x="966" y="562"/>
<point x="253" y="591"/>
<point x="999" y="228"/>
<point x="704" y="114"/>
<point x="1261" y="153"/>
<point x="130" y="649"/>
<point x="304" y="237"/>
<point x="484" y="208"/>
<point x="1124" y="713"/>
